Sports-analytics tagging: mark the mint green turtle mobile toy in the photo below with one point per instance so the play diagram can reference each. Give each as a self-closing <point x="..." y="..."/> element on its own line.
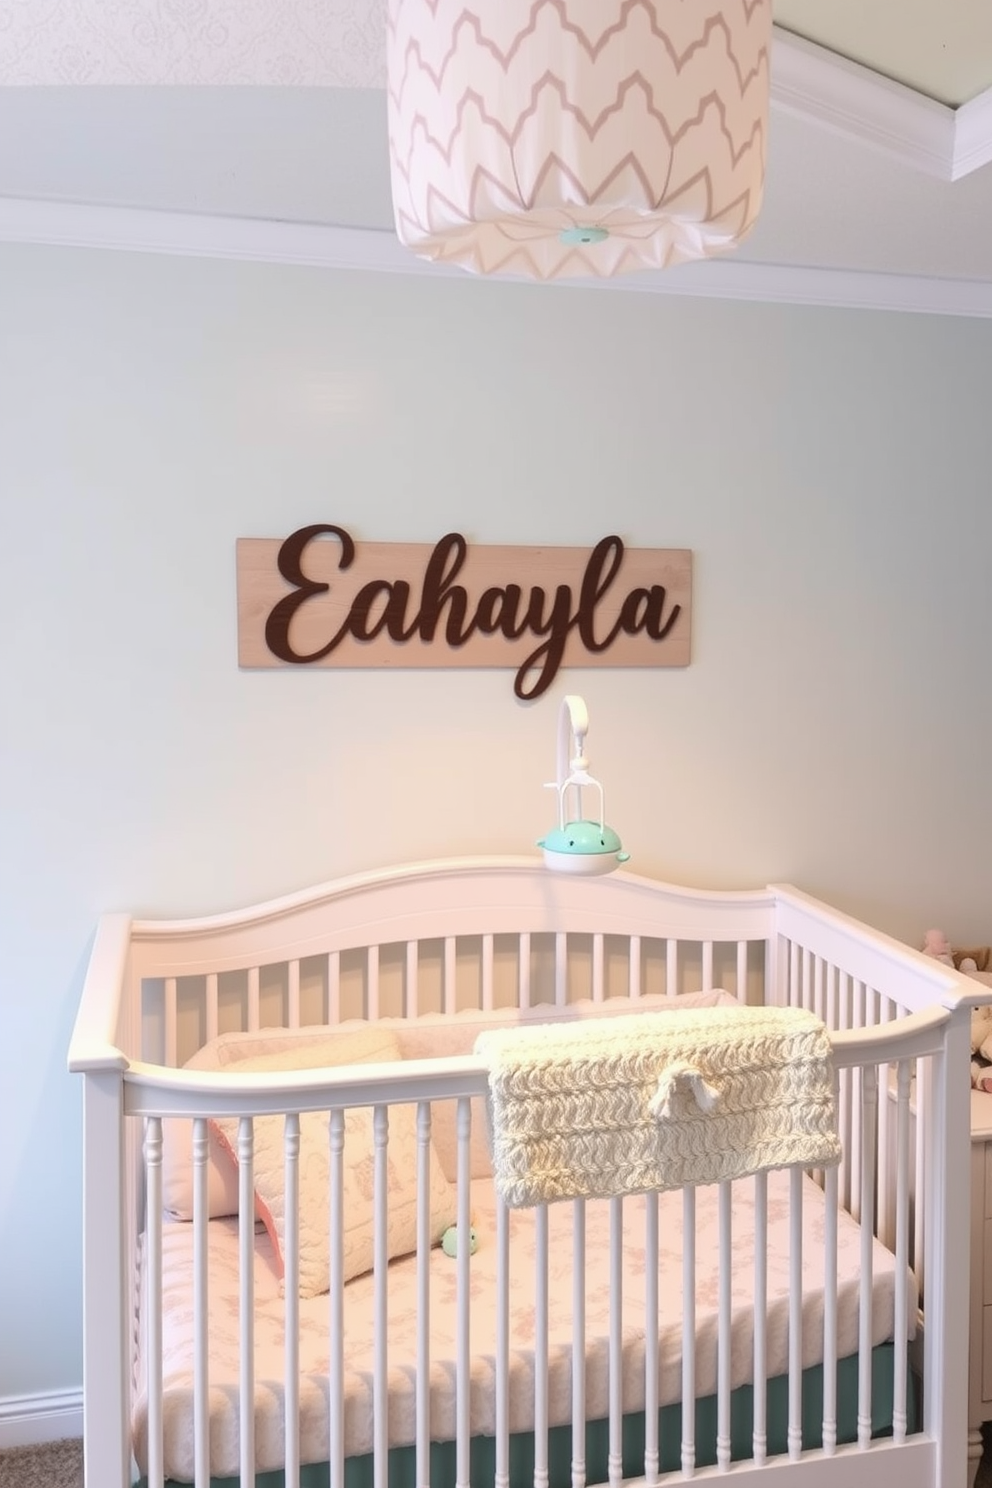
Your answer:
<point x="578" y="844"/>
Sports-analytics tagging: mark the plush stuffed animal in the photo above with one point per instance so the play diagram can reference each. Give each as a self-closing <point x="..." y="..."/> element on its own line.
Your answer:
<point x="977" y="959"/>
<point x="936" y="944"/>
<point x="449" y="1241"/>
<point x="981" y="1031"/>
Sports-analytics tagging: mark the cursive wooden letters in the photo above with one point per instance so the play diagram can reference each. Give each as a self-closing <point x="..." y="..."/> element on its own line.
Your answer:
<point x="392" y="604"/>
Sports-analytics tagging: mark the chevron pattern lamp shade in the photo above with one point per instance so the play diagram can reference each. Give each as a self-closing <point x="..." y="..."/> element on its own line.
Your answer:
<point x="570" y="138"/>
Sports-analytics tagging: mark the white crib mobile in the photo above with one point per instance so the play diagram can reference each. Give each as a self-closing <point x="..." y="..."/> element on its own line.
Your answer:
<point x="202" y="1361"/>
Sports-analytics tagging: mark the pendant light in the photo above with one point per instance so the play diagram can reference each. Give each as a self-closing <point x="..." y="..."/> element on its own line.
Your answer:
<point x="567" y="138"/>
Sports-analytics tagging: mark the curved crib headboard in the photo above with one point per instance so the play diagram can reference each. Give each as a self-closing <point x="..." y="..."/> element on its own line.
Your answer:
<point x="439" y="936"/>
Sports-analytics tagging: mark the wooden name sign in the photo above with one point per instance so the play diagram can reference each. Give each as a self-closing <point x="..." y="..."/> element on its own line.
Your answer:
<point x="320" y="599"/>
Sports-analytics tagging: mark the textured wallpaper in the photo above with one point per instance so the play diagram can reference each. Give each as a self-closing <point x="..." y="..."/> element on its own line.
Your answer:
<point x="316" y="43"/>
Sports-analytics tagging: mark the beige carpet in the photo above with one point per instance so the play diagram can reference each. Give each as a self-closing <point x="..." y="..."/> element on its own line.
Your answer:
<point x="57" y="1465"/>
<point x="60" y="1465"/>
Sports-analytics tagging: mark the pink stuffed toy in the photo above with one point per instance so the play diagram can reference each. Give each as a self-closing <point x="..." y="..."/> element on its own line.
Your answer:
<point x="936" y="944"/>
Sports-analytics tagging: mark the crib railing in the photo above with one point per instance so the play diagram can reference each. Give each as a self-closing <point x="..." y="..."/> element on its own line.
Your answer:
<point x="151" y="1095"/>
<point x="813" y="948"/>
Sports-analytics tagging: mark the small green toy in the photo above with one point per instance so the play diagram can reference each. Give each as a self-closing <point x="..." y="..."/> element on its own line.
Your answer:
<point x="449" y="1241"/>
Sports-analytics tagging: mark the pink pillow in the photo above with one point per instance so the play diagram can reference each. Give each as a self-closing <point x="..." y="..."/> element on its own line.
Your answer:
<point x="329" y="1048"/>
<point x="369" y="1046"/>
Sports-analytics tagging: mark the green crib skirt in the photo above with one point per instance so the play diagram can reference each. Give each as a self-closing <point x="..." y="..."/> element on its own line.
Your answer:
<point x="358" y="1470"/>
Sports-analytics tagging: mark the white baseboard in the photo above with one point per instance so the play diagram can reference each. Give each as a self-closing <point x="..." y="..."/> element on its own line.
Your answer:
<point x="29" y="1420"/>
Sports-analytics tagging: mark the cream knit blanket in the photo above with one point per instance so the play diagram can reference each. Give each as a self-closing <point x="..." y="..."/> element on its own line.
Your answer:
<point x="657" y="1100"/>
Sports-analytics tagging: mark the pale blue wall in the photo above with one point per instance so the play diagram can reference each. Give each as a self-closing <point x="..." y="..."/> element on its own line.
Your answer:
<point x="831" y="472"/>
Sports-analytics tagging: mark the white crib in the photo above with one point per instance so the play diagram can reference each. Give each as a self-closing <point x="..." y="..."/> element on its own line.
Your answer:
<point x="432" y="952"/>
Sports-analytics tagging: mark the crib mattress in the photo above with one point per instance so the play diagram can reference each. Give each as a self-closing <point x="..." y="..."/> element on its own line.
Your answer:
<point x="402" y="1318"/>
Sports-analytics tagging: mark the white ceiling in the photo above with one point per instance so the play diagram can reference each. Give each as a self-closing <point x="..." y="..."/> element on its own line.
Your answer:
<point x="860" y="204"/>
<point x="941" y="47"/>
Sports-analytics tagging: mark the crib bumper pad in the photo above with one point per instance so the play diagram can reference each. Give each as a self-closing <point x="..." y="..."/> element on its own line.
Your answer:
<point x="657" y="1101"/>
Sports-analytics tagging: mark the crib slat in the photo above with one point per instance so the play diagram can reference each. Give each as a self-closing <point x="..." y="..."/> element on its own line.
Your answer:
<point x="561" y="968"/>
<point x="830" y="1312"/>
<point x="380" y="1260"/>
<point x="502" y="1474"/>
<point x="634" y="966"/>
<point x="153" y="1299"/>
<point x="487" y="973"/>
<point x="463" y="1357"/>
<point x="598" y="990"/>
<point x="795" y="1430"/>
<point x="335" y="1389"/>
<point x="578" y="1343"/>
<point x="881" y="1012"/>
<point x="541" y="1302"/>
<point x="820" y="1009"/>
<point x="921" y="1175"/>
<point x="741" y="982"/>
<point x="846" y="1095"/>
<point x="806" y="994"/>
<point x="869" y="1097"/>
<point x="333" y="987"/>
<point x="707" y="965"/>
<point x="793" y="999"/>
<point x="774" y="970"/>
<point x="450" y="974"/>
<point x="759" y="1432"/>
<point x="201" y="1335"/>
<point x="412" y="1000"/>
<point x="170" y="1019"/>
<point x="293" y="994"/>
<point x="291" y="1385"/>
<point x="523" y="969"/>
<point x="651" y="1333"/>
<point x="372" y="983"/>
<point x="723" y="1329"/>
<point x="423" y="1394"/>
<point x="857" y="1103"/>
<point x="211" y="1003"/>
<point x="246" y="1290"/>
<point x="901" y="1320"/>
<point x="688" y="1330"/>
<point x="819" y="995"/>
<point x="614" y="1460"/>
<point x="830" y="1015"/>
<point x="671" y="968"/>
<point x="254" y="1014"/>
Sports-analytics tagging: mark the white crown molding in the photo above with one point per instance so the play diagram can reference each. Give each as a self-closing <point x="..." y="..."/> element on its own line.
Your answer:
<point x="137" y="230"/>
<point x="809" y="82"/>
<point x="30" y="1420"/>
<point x="972" y="135"/>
